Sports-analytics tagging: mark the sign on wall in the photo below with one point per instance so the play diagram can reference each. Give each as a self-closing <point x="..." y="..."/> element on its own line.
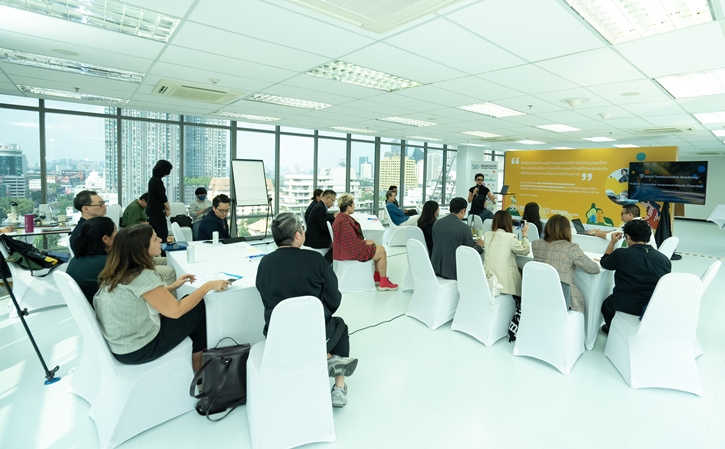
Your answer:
<point x="490" y="170"/>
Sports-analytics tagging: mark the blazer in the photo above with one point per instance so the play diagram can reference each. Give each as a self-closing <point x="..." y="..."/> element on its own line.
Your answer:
<point x="449" y="233"/>
<point x="501" y="249"/>
<point x="317" y="234"/>
<point x="565" y="256"/>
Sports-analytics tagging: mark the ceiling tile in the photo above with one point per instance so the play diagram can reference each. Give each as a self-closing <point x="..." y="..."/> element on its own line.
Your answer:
<point x="435" y="95"/>
<point x="647" y="89"/>
<point x="22" y="74"/>
<point x="564" y="117"/>
<point x="382" y="109"/>
<point x="653" y="108"/>
<point x="710" y="103"/>
<point x="529" y="79"/>
<point x="593" y="67"/>
<point x="478" y="88"/>
<point x="334" y="87"/>
<point x="164" y="70"/>
<point x="673" y="120"/>
<point x="176" y="8"/>
<point x="393" y="99"/>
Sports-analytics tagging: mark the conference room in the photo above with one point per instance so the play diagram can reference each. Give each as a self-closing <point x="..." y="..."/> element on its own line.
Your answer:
<point x="536" y="94"/>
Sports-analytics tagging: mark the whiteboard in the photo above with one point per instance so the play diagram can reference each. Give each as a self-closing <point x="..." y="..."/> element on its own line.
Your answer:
<point x="250" y="182"/>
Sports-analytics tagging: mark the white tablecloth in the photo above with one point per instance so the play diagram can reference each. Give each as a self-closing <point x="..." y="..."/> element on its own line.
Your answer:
<point x="238" y="311"/>
<point x="371" y="227"/>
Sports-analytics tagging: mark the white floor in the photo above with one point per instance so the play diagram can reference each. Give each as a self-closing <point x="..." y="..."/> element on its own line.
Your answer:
<point x="414" y="388"/>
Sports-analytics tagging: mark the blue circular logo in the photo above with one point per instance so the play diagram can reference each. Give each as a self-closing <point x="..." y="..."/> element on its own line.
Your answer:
<point x="701" y="169"/>
<point x="641" y="156"/>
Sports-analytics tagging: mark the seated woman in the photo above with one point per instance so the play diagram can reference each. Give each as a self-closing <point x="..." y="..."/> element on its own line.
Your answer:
<point x="428" y="217"/>
<point x="91" y="250"/>
<point x="501" y="247"/>
<point x="316" y="195"/>
<point x="557" y="249"/>
<point x="531" y="215"/>
<point x="139" y="317"/>
<point x="349" y="243"/>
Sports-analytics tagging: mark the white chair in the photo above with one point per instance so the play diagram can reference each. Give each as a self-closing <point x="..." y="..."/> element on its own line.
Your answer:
<point x="475" y="222"/>
<point x="181" y="234"/>
<point x="487" y="225"/>
<point x="352" y="275"/>
<point x="479" y="315"/>
<point x="547" y="330"/>
<point x="177" y="208"/>
<point x="288" y="391"/>
<point x="668" y="246"/>
<point x="413" y="232"/>
<point x="396" y="235"/>
<point x="31" y="292"/>
<point x="660" y="350"/>
<point x="114" y="212"/>
<point x="434" y="299"/>
<point x="125" y="399"/>
<point x="532" y="234"/>
<point x="322" y="251"/>
<point x="706" y="279"/>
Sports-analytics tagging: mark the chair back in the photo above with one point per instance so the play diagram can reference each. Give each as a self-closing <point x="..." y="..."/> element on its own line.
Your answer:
<point x="470" y="274"/>
<point x="532" y="235"/>
<point x="487" y="225"/>
<point x="420" y="265"/>
<point x="114" y="212"/>
<point x="541" y="289"/>
<point x="296" y="337"/>
<point x="475" y="222"/>
<point x="668" y="246"/>
<point x="415" y="233"/>
<point x="178" y="233"/>
<point x="332" y="235"/>
<point x="709" y="275"/>
<point x="675" y="305"/>
<point x="177" y="208"/>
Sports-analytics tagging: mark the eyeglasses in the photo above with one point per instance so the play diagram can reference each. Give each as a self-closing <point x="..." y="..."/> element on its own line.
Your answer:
<point x="223" y="211"/>
<point x="100" y="204"/>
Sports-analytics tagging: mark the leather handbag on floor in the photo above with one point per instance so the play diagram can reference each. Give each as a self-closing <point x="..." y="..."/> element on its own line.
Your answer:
<point x="224" y="378"/>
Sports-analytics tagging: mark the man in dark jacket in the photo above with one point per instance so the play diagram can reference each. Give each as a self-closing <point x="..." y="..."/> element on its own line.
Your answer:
<point x="216" y="221"/>
<point x="317" y="235"/>
<point x="449" y="233"/>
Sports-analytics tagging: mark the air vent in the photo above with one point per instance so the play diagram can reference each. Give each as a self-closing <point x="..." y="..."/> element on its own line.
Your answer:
<point x="207" y="94"/>
<point x="658" y="131"/>
<point x="379" y="16"/>
<point x="711" y="154"/>
<point x="499" y="139"/>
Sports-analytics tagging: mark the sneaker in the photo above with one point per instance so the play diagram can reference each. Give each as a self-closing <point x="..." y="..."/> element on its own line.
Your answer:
<point x="376" y="277"/>
<point x="385" y="284"/>
<point x="341" y="366"/>
<point x="605" y="329"/>
<point x="339" y="396"/>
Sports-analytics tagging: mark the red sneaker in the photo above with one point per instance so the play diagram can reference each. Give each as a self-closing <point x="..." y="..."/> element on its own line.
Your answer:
<point x="385" y="284"/>
<point x="376" y="277"/>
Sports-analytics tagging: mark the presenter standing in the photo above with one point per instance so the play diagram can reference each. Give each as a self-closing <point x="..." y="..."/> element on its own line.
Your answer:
<point x="480" y="190"/>
<point x="157" y="208"/>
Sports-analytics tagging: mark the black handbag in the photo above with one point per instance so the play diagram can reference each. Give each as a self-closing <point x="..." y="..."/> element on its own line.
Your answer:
<point x="28" y="256"/>
<point x="224" y="377"/>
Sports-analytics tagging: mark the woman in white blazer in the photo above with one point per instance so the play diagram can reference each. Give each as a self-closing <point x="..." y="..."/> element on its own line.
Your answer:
<point x="501" y="247"/>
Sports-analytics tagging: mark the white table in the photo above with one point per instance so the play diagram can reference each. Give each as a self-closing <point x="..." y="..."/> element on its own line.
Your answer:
<point x="371" y="227"/>
<point x="590" y="243"/>
<point x="236" y="312"/>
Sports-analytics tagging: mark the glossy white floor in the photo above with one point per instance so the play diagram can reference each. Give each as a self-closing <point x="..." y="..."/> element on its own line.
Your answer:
<point x="414" y="388"/>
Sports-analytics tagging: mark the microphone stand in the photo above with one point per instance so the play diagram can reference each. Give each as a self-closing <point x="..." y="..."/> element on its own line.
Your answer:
<point x="266" y="220"/>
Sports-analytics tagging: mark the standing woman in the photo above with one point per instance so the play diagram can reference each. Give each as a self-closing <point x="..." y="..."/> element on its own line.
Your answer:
<point x="158" y="207"/>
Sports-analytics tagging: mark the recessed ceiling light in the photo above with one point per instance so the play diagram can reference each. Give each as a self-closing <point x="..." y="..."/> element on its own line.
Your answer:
<point x="64" y="52"/>
<point x="353" y="130"/>
<point x="710" y="117"/>
<point x="562" y="148"/>
<point x="530" y="142"/>
<point x="490" y="109"/>
<point x="719" y="132"/>
<point x="406" y="121"/>
<point x="66" y="65"/>
<point x="599" y="139"/>
<point x="629" y="94"/>
<point x="558" y="128"/>
<point x="74" y="95"/>
<point x="259" y="118"/>
<point x="430" y="139"/>
<point x="626" y="145"/>
<point x="285" y="101"/>
<point x="483" y="134"/>
<point x="694" y="84"/>
<point x="361" y="76"/>
<point x="476" y="145"/>
<point x="625" y="20"/>
<point x="107" y="14"/>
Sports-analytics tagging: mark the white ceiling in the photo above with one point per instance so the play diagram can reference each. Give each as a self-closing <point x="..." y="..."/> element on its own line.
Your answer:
<point x="528" y="55"/>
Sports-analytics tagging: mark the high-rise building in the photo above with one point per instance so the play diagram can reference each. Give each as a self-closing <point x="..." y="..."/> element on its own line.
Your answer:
<point x="13" y="169"/>
<point x="390" y="172"/>
<point x="205" y="150"/>
<point x="297" y="189"/>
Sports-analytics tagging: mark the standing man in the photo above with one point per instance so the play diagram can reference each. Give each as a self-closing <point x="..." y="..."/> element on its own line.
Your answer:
<point x="134" y="212"/>
<point x="629" y="212"/>
<point x="216" y="221"/>
<point x="480" y="190"/>
<point x="637" y="269"/>
<point x="90" y="205"/>
<point x="318" y="236"/>
<point x="449" y="233"/>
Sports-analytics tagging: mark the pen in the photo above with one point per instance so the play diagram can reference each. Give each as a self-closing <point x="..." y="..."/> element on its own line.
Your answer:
<point x="256" y="256"/>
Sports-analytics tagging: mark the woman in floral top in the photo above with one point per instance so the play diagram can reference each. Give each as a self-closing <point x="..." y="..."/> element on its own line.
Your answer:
<point x="349" y="244"/>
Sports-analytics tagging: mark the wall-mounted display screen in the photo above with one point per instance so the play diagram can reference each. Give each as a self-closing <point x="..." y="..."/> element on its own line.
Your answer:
<point x="676" y="182"/>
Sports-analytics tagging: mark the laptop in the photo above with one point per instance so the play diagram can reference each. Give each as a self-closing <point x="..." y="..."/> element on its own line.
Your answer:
<point x="579" y="226"/>
<point x="504" y="190"/>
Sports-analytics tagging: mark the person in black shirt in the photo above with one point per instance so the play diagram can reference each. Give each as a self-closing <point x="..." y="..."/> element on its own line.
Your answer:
<point x="217" y="221"/>
<point x="157" y="207"/>
<point x="90" y="205"/>
<point x="91" y="251"/>
<point x="291" y="271"/>
<point x="479" y="190"/>
<point x="428" y="217"/>
<point x="316" y="195"/>
<point x="318" y="236"/>
<point x="638" y="268"/>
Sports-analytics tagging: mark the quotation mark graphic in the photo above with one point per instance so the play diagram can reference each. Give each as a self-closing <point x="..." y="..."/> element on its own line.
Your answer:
<point x="586" y="176"/>
<point x="515" y="160"/>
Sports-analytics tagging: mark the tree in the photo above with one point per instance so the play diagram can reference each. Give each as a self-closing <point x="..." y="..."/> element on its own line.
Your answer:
<point x="25" y="206"/>
<point x="197" y="181"/>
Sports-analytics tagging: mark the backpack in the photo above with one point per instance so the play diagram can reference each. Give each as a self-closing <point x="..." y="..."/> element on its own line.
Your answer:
<point x="28" y="256"/>
<point x="183" y="220"/>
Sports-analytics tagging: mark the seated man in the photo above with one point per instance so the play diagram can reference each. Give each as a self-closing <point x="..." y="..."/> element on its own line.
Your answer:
<point x="408" y="212"/>
<point x="291" y="271"/>
<point x="629" y="212"/>
<point x="217" y="221"/>
<point x="637" y="269"/>
<point x="449" y="233"/>
<point x="90" y="205"/>
<point x="318" y="236"/>
<point x="135" y="212"/>
<point x="397" y="215"/>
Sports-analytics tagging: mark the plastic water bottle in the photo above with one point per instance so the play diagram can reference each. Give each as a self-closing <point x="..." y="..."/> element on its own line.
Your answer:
<point x="190" y="254"/>
<point x="215" y="238"/>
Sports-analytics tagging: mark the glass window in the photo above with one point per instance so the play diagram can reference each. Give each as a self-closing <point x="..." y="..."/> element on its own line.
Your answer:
<point x="332" y="134"/>
<point x="256" y="145"/>
<point x="50" y="104"/>
<point x="21" y="101"/>
<point x="450" y="175"/>
<point x="331" y="166"/>
<point x="295" y="167"/>
<point x="206" y="120"/>
<point x="289" y="129"/>
<point x="411" y="192"/>
<point x="389" y="169"/>
<point x="256" y="126"/>
<point x="434" y="175"/>
<point x="206" y="161"/>
<point x="148" y="114"/>
<point x="19" y="160"/>
<point x="362" y="174"/>
<point x="362" y="137"/>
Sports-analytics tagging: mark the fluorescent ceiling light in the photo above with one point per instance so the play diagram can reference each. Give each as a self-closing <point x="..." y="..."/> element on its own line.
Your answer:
<point x="361" y="76"/>
<point x="284" y="101"/>
<point x="74" y="95"/>
<point x="66" y="65"/>
<point x="695" y="84"/>
<point x="599" y="139"/>
<point x="407" y="121"/>
<point x="562" y="148"/>
<point x="483" y="134"/>
<point x="476" y="145"/>
<point x="626" y="145"/>
<point x="530" y="142"/>
<point x="719" y="132"/>
<point x="259" y="118"/>
<point x="625" y="20"/>
<point x="710" y="117"/>
<point x="430" y="139"/>
<point x="353" y="130"/>
<point x="107" y="14"/>
<point x="490" y="109"/>
<point x="558" y="128"/>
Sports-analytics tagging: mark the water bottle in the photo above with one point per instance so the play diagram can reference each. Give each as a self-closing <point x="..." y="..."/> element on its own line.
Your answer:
<point x="215" y="238"/>
<point x="190" y="254"/>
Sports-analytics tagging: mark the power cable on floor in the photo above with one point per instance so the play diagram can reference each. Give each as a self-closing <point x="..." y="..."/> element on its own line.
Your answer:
<point x="378" y="324"/>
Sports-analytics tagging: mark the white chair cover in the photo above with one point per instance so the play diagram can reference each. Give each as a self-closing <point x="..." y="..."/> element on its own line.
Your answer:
<point x="413" y="232"/>
<point x="352" y="276"/>
<point x="435" y="299"/>
<point x="547" y="331"/>
<point x="114" y="212"/>
<point x="322" y="251"/>
<point x="660" y="350"/>
<point x="125" y="399"/>
<point x="706" y="279"/>
<point x="178" y="208"/>
<point x="288" y="395"/>
<point x="395" y="235"/>
<point x="479" y="315"/>
<point x="179" y="233"/>
<point x="487" y="225"/>
<point x="668" y="246"/>
<point x="475" y="222"/>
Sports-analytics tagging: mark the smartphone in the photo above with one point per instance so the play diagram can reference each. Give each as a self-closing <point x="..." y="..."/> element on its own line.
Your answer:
<point x="231" y="280"/>
<point x="521" y="224"/>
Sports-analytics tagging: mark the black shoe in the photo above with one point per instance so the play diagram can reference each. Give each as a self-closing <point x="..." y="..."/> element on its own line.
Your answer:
<point x="605" y="329"/>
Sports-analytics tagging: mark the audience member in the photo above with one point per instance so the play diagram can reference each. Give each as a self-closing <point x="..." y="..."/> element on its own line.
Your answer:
<point x="316" y="196"/>
<point x="90" y="205"/>
<point x="629" y="212"/>
<point x="532" y="217"/>
<point x="349" y="243"/>
<point x="318" y="235"/>
<point x="449" y="233"/>
<point x="557" y="250"/>
<point x="406" y="211"/>
<point x="200" y="207"/>
<point x="158" y="208"/>
<point x="134" y="212"/>
<point x="216" y="221"/>
<point x="502" y="246"/>
<point x="91" y="251"/>
<point x="397" y="215"/>
<point x="428" y="217"/>
<point x="139" y="317"/>
<point x="480" y="190"/>
<point x="290" y="271"/>
<point x="637" y="269"/>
